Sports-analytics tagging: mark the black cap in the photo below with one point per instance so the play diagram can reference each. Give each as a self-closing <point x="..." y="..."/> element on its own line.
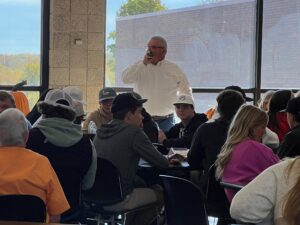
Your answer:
<point x="239" y="89"/>
<point x="293" y="106"/>
<point x="125" y="101"/>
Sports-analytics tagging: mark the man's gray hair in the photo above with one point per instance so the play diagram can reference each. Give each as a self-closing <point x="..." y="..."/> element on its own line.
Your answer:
<point x="161" y="40"/>
<point x="13" y="128"/>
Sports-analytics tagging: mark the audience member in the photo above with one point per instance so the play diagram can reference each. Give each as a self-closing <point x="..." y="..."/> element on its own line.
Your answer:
<point x="277" y="118"/>
<point x="158" y="80"/>
<point x="181" y="134"/>
<point x="212" y="113"/>
<point x="21" y="101"/>
<point x="70" y="153"/>
<point x="123" y="142"/>
<point x="103" y="114"/>
<point x="265" y="100"/>
<point x="210" y="137"/>
<point x="273" y="197"/>
<point x="26" y="172"/>
<point x="7" y="101"/>
<point x="150" y="127"/>
<point x="243" y="157"/>
<point x="290" y="146"/>
<point x="34" y="114"/>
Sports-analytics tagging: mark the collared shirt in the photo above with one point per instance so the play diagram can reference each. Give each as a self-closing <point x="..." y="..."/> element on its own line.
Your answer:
<point x="160" y="84"/>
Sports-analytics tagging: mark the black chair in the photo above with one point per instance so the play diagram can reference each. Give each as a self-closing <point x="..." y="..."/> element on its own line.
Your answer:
<point x="184" y="203"/>
<point x="216" y="201"/>
<point x="27" y="208"/>
<point x="106" y="191"/>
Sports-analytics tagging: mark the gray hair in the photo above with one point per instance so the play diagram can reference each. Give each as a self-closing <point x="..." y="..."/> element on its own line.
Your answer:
<point x="13" y="128"/>
<point x="161" y="40"/>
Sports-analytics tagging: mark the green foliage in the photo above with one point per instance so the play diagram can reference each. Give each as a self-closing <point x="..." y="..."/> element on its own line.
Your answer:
<point x="135" y="7"/>
<point x="15" y="68"/>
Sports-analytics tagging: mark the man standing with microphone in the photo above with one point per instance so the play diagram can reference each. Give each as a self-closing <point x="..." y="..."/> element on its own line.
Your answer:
<point x="158" y="80"/>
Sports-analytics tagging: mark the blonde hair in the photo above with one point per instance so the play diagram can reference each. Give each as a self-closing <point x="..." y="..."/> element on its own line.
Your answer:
<point x="265" y="100"/>
<point x="291" y="205"/>
<point x="240" y="129"/>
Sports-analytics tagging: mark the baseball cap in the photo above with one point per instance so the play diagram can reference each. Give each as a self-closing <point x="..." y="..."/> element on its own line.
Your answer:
<point x="293" y="106"/>
<point x="239" y="89"/>
<point x="125" y="101"/>
<point x="184" y="99"/>
<point x="57" y="97"/>
<point x="75" y="93"/>
<point x="107" y="93"/>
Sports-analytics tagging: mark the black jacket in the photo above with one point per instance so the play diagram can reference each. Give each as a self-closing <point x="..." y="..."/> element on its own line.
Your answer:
<point x="207" y="143"/>
<point x="173" y="135"/>
<point x="290" y="146"/>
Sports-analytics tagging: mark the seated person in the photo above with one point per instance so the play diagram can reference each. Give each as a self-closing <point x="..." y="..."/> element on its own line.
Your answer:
<point x="37" y="176"/>
<point x="7" y="101"/>
<point x="210" y="137"/>
<point x="290" y="146"/>
<point x="123" y="142"/>
<point x="243" y="157"/>
<point x="272" y="197"/>
<point x="150" y="127"/>
<point x="181" y="134"/>
<point x="70" y="153"/>
<point x="277" y="118"/>
<point x="264" y="102"/>
<point x="103" y="114"/>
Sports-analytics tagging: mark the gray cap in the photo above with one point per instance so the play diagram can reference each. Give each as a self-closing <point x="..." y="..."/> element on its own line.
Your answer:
<point x="106" y="94"/>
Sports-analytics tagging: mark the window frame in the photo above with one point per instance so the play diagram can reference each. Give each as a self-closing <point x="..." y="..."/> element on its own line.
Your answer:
<point x="44" y="53"/>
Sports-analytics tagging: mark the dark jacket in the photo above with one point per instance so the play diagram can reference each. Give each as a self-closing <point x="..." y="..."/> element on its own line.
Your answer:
<point x="70" y="163"/>
<point x="180" y="136"/>
<point x="290" y="146"/>
<point x="150" y="127"/>
<point x="207" y="143"/>
<point x="124" y="145"/>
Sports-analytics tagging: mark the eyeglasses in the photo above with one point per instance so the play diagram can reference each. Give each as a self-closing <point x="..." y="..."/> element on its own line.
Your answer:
<point x="154" y="47"/>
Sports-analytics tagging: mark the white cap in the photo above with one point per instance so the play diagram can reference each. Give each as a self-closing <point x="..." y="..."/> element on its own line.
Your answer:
<point x="57" y="97"/>
<point x="185" y="99"/>
<point x="75" y="93"/>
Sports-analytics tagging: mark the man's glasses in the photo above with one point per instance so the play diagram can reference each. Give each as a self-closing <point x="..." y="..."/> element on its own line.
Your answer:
<point x="154" y="47"/>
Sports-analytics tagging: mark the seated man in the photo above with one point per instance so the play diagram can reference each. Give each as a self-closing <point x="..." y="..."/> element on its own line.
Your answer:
<point x="7" y="101"/>
<point x="123" y="142"/>
<point x="37" y="177"/>
<point x="103" y="114"/>
<point x="70" y="152"/>
<point x="181" y="134"/>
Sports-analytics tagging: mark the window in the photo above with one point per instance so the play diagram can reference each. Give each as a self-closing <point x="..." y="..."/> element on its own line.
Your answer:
<point x="20" y="45"/>
<point x="281" y="45"/>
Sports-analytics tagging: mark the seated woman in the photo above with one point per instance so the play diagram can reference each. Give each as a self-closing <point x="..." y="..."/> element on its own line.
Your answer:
<point x="273" y="197"/>
<point x="290" y="147"/>
<point x="243" y="157"/>
<point x="277" y="118"/>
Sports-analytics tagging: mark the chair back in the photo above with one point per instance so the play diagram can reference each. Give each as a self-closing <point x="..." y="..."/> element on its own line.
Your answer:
<point x="107" y="188"/>
<point x="27" y="208"/>
<point x="183" y="201"/>
<point x="217" y="204"/>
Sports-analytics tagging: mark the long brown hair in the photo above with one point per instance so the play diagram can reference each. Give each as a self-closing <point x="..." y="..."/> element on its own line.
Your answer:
<point x="291" y="205"/>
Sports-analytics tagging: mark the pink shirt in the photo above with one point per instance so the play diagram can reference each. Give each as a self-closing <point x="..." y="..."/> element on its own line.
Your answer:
<point x="248" y="159"/>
